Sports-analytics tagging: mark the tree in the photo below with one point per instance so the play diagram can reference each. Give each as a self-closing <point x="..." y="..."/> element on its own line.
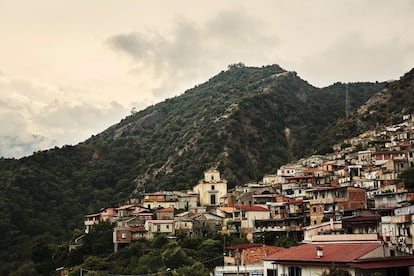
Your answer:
<point x="196" y="269"/>
<point x="407" y="176"/>
<point x="42" y="256"/>
<point x="174" y="256"/>
<point x="336" y="271"/>
<point x="159" y="241"/>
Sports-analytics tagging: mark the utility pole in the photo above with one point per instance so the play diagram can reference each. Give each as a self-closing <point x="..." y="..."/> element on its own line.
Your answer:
<point x="238" y="261"/>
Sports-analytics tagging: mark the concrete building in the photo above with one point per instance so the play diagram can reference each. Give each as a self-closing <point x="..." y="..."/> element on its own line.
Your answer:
<point x="211" y="188"/>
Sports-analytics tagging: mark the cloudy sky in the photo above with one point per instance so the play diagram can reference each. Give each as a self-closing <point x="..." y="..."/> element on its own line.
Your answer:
<point x="70" y="69"/>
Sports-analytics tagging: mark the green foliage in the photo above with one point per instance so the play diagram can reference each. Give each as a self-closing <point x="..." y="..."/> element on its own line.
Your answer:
<point x="336" y="271"/>
<point x="269" y="238"/>
<point x="159" y="241"/>
<point x="236" y="121"/>
<point x="285" y="242"/>
<point x="407" y="176"/>
<point x="98" y="242"/>
<point x="143" y="258"/>
<point x="196" y="269"/>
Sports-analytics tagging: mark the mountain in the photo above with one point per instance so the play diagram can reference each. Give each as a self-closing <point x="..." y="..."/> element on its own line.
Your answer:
<point x="385" y="108"/>
<point x="245" y="121"/>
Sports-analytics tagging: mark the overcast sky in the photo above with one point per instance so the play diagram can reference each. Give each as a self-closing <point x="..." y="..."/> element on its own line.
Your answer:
<point x="70" y="69"/>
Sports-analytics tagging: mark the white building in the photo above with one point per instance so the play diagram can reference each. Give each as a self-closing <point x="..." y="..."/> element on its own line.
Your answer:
<point x="211" y="188"/>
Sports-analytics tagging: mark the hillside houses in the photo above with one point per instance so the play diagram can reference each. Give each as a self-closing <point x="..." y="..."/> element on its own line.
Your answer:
<point x="353" y="192"/>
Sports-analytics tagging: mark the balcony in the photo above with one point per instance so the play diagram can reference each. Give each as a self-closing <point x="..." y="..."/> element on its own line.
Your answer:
<point x="256" y="269"/>
<point x="230" y="260"/>
<point x="91" y="222"/>
<point x="396" y="219"/>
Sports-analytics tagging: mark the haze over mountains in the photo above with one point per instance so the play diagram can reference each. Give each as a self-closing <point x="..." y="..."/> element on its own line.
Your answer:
<point x="245" y="121"/>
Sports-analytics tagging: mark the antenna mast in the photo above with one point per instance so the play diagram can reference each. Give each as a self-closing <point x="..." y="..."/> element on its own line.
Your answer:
<point x="346" y="100"/>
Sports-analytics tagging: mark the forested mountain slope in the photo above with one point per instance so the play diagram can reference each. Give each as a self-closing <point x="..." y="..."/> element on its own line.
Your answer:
<point x="245" y="121"/>
<point x="384" y="109"/>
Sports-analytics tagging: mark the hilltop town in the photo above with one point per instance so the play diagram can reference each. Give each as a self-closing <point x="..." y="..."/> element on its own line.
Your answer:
<point x="353" y="194"/>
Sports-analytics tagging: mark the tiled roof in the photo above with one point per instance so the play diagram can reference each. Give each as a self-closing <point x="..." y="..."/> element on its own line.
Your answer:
<point x="266" y="195"/>
<point x="344" y="252"/>
<point x="299" y="177"/>
<point x="362" y="218"/>
<point x="165" y="210"/>
<point x="138" y="228"/>
<point x="380" y="263"/>
<point x="227" y="209"/>
<point x="244" y="246"/>
<point x="125" y="207"/>
<point x="252" y="208"/>
<point x="161" y="221"/>
<point x="313" y="170"/>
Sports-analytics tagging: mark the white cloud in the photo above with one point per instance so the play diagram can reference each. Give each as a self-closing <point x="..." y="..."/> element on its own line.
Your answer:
<point x="191" y="52"/>
<point x="353" y="56"/>
<point x="61" y="80"/>
<point x="35" y="117"/>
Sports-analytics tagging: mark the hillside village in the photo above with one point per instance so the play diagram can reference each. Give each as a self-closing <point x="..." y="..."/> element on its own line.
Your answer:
<point x="351" y="195"/>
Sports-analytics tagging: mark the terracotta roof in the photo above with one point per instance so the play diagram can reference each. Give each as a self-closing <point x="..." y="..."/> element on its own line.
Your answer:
<point x="378" y="263"/>
<point x="343" y="252"/>
<point x="252" y="208"/>
<point x="165" y="210"/>
<point x="138" y="228"/>
<point x="244" y="246"/>
<point x="298" y="177"/>
<point x="160" y="221"/>
<point x="266" y="195"/>
<point x="227" y="209"/>
<point x="313" y="170"/>
<point x="125" y="207"/>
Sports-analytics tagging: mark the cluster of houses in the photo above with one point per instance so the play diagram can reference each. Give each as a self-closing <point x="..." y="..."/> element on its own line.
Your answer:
<point x="347" y="208"/>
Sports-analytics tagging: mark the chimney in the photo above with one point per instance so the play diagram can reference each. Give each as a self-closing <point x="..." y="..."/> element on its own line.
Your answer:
<point x="319" y="252"/>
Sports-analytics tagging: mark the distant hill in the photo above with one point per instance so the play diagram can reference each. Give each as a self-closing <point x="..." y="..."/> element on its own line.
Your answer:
<point x="245" y="121"/>
<point x="385" y="108"/>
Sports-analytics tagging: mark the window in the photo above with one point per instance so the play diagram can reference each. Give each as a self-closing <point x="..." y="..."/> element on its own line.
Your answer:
<point x="123" y="235"/>
<point x="167" y="226"/>
<point x="294" y="271"/>
<point x="212" y="187"/>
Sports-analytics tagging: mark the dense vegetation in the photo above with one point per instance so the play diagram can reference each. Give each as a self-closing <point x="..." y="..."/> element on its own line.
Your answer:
<point x="384" y="109"/>
<point x="245" y="121"/>
<point x="182" y="255"/>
